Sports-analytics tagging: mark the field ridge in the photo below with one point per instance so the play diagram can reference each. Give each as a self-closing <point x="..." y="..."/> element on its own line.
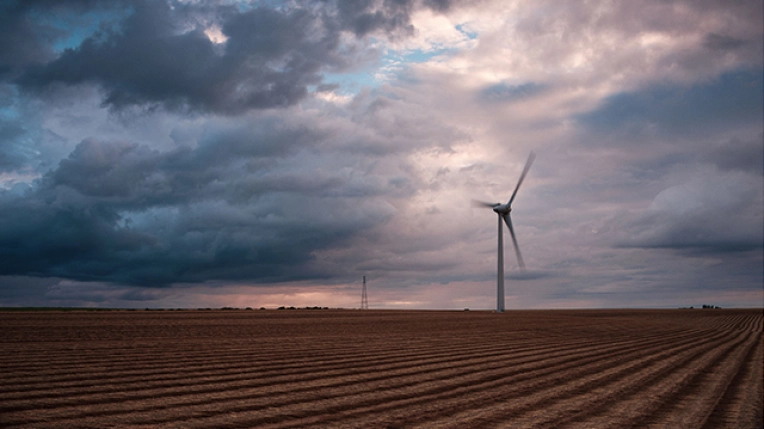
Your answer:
<point x="382" y="369"/>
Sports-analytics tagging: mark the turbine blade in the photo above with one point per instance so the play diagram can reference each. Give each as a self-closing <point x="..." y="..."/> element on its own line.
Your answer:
<point x="508" y="221"/>
<point x="527" y="167"/>
<point x="477" y="203"/>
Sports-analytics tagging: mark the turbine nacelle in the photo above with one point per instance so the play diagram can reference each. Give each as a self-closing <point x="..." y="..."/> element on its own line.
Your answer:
<point x="502" y="209"/>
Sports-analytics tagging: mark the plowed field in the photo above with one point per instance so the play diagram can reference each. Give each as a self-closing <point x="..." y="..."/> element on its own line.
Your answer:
<point x="373" y="369"/>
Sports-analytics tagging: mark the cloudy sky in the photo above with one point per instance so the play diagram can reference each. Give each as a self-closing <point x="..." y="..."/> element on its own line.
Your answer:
<point x="264" y="153"/>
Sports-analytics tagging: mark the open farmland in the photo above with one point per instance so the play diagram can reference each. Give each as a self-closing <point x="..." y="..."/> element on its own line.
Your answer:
<point x="334" y="368"/>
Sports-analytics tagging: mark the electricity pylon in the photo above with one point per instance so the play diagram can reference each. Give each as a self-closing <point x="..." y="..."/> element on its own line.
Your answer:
<point x="364" y="298"/>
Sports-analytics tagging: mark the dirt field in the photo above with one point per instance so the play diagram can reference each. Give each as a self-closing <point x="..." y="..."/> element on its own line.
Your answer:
<point x="373" y="369"/>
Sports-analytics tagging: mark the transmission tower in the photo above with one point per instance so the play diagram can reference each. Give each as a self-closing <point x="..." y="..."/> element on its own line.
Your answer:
<point x="364" y="298"/>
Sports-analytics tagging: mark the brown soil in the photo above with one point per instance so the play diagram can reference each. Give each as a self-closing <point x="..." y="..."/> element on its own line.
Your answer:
<point x="382" y="369"/>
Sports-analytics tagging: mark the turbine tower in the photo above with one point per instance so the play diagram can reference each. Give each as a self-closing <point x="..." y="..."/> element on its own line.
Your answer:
<point x="503" y="211"/>
<point x="364" y="298"/>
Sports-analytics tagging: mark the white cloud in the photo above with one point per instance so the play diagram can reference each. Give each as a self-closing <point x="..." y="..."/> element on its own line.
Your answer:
<point x="215" y="34"/>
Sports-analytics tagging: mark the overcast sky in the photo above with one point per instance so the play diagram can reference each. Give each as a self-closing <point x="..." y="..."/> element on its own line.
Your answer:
<point x="225" y="153"/>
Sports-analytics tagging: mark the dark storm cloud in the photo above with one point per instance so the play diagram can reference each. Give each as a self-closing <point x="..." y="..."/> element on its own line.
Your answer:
<point x="715" y="209"/>
<point x="387" y="16"/>
<point x="160" y="55"/>
<point x="10" y="134"/>
<point x="737" y="154"/>
<point x="717" y="213"/>
<point x="267" y="62"/>
<point x="29" y="29"/>
<point x="439" y="5"/>
<point x="22" y="40"/>
<point x="358" y="17"/>
<point x="122" y="212"/>
<point x="24" y="291"/>
<point x="725" y="103"/>
<point x="695" y="233"/>
<point x="715" y="41"/>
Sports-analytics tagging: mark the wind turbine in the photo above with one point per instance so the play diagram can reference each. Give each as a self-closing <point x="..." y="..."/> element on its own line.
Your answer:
<point x="503" y="211"/>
